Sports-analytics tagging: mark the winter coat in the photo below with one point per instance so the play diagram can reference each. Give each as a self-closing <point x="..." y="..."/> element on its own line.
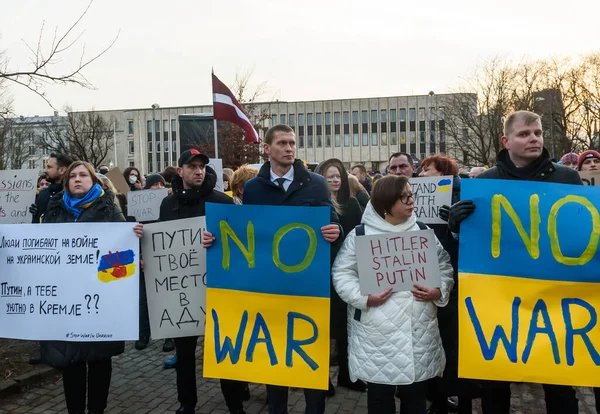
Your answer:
<point x="542" y="169"/>
<point x="397" y="343"/>
<point x="59" y="354"/>
<point x="363" y="199"/>
<point x="43" y="199"/>
<point x="192" y="203"/>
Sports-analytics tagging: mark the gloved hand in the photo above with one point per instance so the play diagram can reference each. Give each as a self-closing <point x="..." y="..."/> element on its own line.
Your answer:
<point x="33" y="209"/>
<point x="456" y="214"/>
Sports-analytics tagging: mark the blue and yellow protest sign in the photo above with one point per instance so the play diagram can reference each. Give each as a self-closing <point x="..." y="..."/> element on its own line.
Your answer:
<point x="529" y="283"/>
<point x="267" y="295"/>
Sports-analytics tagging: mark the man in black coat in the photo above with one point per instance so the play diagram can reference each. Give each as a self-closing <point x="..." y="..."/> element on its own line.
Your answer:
<point x="193" y="187"/>
<point x="284" y="181"/>
<point x="524" y="158"/>
<point x="56" y="168"/>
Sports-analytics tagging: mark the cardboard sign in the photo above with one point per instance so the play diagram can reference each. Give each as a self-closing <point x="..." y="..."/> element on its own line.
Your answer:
<point x="116" y="177"/>
<point x="17" y="193"/>
<point x="590" y="177"/>
<point x="397" y="261"/>
<point x="430" y="193"/>
<point x="75" y="282"/>
<point x="217" y="165"/>
<point x="144" y="205"/>
<point x="175" y="275"/>
<point x="267" y="295"/>
<point x="530" y="283"/>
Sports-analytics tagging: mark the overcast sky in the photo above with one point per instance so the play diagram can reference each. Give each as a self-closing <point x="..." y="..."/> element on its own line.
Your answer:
<point x="304" y="50"/>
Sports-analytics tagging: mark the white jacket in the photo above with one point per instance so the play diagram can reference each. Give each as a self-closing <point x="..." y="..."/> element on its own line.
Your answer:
<point x="398" y="342"/>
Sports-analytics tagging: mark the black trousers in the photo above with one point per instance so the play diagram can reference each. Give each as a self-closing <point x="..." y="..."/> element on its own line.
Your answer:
<point x="144" y="323"/>
<point x="93" y="376"/>
<point x="233" y="391"/>
<point x="278" y="398"/>
<point x="413" y="398"/>
<point x="560" y="399"/>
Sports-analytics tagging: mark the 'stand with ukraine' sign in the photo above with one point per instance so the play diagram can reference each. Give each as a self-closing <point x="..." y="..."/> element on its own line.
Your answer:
<point x="267" y="295"/>
<point x="529" y="283"/>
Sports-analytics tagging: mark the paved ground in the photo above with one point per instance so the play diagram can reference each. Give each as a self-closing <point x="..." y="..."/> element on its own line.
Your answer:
<point x="141" y="385"/>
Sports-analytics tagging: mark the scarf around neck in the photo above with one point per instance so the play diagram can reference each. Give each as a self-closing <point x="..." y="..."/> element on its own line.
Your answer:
<point x="75" y="206"/>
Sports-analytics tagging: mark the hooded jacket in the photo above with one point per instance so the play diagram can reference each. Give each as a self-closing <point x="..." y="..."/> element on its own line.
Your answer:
<point x="397" y="343"/>
<point x="43" y="200"/>
<point x="62" y="353"/>
<point x="542" y="169"/>
<point x="192" y="203"/>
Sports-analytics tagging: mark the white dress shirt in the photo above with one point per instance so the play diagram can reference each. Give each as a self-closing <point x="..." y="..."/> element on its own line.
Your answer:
<point x="289" y="178"/>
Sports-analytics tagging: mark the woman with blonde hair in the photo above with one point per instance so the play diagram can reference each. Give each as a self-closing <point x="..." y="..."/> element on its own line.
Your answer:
<point x="358" y="191"/>
<point x="240" y="177"/>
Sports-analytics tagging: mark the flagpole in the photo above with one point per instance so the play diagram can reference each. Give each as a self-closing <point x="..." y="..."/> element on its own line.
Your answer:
<point x="216" y="141"/>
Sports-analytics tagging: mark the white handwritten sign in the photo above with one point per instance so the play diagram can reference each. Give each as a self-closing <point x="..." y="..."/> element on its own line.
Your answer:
<point x="397" y="261"/>
<point x="590" y="177"/>
<point x="175" y="272"/>
<point x="217" y="165"/>
<point x="75" y="282"/>
<point x="144" y="205"/>
<point x="430" y="193"/>
<point x="17" y="193"/>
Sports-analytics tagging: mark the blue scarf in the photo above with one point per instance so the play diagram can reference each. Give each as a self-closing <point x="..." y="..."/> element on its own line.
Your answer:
<point x="76" y="205"/>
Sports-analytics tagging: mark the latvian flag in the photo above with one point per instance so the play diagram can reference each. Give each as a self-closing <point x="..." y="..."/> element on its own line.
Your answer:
<point x="227" y="108"/>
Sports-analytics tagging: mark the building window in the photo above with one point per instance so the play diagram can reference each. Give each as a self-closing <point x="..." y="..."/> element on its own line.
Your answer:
<point x="165" y="129"/>
<point x="411" y="120"/>
<point x="274" y="119"/>
<point x="365" y="129"/>
<point x="346" y="129"/>
<point x="158" y="147"/>
<point x="301" y="130"/>
<point x="149" y="129"/>
<point x="173" y="129"/>
<point x="150" y="166"/>
<point x="355" y="136"/>
<point x="282" y="118"/>
<point x="374" y="128"/>
<point x="32" y="164"/>
<point x="319" y="129"/>
<point x="131" y="164"/>
<point x="157" y="130"/>
<point x="328" y="129"/>
<point x="166" y="149"/>
<point x="130" y="127"/>
<point x="402" y="120"/>
<point x="131" y="147"/>
<point x="393" y="138"/>
<point x="465" y="158"/>
<point x="31" y="150"/>
<point x="293" y="121"/>
<point x="309" y="130"/>
<point x="336" y="128"/>
<point x="174" y="149"/>
<point x="392" y="120"/>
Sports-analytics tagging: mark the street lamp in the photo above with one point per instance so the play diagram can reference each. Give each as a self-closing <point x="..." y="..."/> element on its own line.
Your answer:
<point x="432" y="132"/>
<point x="552" y="141"/>
<point x="155" y="106"/>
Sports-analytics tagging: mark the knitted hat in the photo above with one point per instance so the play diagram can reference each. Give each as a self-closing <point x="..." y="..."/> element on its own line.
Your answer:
<point x="570" y="158"/>
<point x="153" y="179"/>
<point x="585" y="155"/>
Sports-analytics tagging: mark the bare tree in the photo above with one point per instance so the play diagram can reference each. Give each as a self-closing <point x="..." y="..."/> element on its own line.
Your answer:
<point x="86" y="136"/>
<point x="43" y="70"/>
<point x="16" y="141"/>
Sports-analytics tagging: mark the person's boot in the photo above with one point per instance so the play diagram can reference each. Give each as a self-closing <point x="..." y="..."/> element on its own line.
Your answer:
<point x="169" y="345"/>
<point x="331" y="391"/>
<point x="246" y="394"/>
<point x="142" y="343"/>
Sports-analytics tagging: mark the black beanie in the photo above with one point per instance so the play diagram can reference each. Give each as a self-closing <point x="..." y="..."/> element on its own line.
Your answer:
<point x="153" y="179"/>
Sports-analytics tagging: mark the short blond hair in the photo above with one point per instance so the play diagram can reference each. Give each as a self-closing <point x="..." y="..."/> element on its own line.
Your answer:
<point x="242" y="175"/>
<point x="526" y="116"/>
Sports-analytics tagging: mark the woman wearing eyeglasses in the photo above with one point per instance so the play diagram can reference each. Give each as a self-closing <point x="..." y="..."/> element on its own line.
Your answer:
<point x="393" y="339"/>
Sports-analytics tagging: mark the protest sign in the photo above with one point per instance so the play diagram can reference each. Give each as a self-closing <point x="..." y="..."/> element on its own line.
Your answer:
<point x="430" y="193"/>
<point x="590" y="177"/>
<point x="217" y="165"/>
<point x="144" y="205"/>
<point x="75" y="282"/>
<point x="116" y="177"/>
<point x="175" y="276"/>
<point x="529" y="283"/>
<point x="17" y="193"/>
<point x="267" y="295"/>
<point x="397" y="261"/>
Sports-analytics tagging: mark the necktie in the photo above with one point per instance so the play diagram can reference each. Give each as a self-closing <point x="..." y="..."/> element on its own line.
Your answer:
<point x="280" y="182"/>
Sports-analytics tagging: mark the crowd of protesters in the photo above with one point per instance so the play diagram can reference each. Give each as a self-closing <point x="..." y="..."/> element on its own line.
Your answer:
<point x="390" y="344"/>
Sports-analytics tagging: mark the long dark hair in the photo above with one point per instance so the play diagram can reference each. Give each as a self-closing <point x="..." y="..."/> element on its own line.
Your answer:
<point x="128" y="171"/>
<point x="343" y="194"/>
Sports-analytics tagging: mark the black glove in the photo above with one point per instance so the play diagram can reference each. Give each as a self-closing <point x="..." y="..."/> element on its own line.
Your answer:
<point x="457" y="213"/>
<point x="444" y="213"/>
<point x="33" y="209"/>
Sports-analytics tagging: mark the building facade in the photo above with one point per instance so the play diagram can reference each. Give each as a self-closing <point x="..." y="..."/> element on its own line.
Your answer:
<point x="364" y="130"/>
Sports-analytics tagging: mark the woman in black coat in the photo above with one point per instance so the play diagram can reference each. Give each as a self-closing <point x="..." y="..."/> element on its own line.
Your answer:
<point x="349" y="211"/>
<point x="84" y="364"/>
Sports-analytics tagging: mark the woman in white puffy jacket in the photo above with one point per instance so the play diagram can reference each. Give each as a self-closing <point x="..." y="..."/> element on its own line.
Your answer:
<point x="393" y="338"/>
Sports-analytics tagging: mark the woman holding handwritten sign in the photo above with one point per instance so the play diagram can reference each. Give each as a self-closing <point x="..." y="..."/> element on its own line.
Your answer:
<point x="84" y="364"/>
<point x="393" y="337"/>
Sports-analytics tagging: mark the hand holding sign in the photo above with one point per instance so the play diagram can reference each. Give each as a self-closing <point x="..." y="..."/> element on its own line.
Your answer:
<point x="425" y="294"/>
<point x="378" y="299"/>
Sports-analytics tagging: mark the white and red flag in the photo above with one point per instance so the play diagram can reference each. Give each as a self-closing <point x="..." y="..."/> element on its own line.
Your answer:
<point x="227" y="108"/>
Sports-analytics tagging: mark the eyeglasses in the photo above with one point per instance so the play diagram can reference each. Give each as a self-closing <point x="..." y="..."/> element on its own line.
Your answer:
<point x="404" y="198"/>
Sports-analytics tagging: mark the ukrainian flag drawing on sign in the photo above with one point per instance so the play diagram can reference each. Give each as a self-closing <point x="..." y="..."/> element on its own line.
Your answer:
<point x="267" y="295"/>
<point x="529" y="283"/>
